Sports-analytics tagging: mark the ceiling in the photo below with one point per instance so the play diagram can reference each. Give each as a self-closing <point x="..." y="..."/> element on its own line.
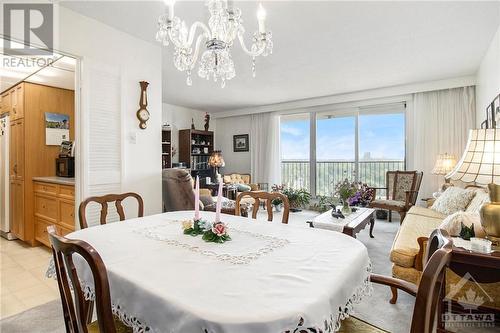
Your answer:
<point x="60" y="73"/>
<point x="322" y="48"/>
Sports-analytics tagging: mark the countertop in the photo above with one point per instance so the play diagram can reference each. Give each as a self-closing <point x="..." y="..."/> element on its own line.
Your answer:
<point x="56" y="180"/>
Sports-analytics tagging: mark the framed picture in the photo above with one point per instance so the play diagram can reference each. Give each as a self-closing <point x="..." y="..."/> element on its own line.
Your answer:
<point x="56" y="128"/>
<point x="241" y="143"/>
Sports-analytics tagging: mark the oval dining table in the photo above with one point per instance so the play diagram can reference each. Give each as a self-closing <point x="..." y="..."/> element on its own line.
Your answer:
<point x="270" y="278"/>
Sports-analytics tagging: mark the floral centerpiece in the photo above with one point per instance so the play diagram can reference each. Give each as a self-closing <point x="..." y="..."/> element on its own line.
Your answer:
<point x="363" y="196"/>
<point x="345" y="190"/>
<point x="215" y="232"/>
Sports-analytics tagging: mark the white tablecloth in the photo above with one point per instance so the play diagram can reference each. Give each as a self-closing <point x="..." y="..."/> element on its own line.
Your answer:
<point x="270" y="278"/>
<point x="327" y="221"/>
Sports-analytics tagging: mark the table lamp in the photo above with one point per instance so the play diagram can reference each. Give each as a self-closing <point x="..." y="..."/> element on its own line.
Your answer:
<point x="216" y="161"/>
<point x="480" y="164"/>
<point x="444" y="164"/>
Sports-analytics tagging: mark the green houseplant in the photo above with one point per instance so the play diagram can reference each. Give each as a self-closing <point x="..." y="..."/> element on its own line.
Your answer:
<point x="297" y="198"/>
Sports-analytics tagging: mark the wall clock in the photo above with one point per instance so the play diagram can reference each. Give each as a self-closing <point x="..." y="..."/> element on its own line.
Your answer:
<point x="143" y="113"/>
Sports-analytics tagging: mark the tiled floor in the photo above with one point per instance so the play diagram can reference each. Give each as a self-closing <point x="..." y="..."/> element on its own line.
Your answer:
<point x="23" y="284"/>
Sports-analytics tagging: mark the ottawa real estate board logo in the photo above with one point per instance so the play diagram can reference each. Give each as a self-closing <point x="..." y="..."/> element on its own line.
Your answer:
<point x="469" y="296"/>
<point x="28" y="31"/>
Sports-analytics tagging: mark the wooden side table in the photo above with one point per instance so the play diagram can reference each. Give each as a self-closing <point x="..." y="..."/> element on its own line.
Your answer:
<point x="477" y="268"/>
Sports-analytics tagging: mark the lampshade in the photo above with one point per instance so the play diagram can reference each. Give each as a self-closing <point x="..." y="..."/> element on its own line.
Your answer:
<point x="216" y="160"/>
<point x="480" y="162"/>
<point x="444" y="164"/>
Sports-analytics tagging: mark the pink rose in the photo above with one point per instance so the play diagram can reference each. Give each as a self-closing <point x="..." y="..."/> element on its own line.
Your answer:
<point x="219" y="229"/>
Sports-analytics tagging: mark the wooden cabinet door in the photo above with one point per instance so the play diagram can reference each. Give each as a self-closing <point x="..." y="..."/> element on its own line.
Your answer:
<point x="6" y="103"/>
<point x="17" y="208"/>
<point x="17" y="150"/>
<point x="17" y="102"/>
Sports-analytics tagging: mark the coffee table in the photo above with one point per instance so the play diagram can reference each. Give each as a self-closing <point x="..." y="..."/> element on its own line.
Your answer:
<point x="351" y="225"/>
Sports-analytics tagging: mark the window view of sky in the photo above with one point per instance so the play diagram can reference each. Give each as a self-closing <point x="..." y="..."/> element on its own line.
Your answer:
<point x="381" y="137"/>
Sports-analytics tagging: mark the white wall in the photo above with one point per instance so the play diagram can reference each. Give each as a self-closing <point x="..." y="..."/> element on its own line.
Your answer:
<point x="179" y="117"/>
<point x="488" y="78"/>
<point x="135" y="60"/>
<point x="238" y="162"/>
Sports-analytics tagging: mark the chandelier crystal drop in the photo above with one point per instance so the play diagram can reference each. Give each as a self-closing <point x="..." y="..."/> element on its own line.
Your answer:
<point x="217" y="38"/>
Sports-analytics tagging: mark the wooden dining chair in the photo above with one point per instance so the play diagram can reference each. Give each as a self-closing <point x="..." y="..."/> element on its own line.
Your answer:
<point x="269" y="197"/>
<point x="77" y="311"/>
<point x="103" y="201"/>
<point x="427" y="293"/>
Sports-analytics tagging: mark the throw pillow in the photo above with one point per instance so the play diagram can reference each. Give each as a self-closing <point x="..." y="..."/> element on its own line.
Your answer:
<point x="452" y="200"/>
<point x="478" y="201"/>
<point x="452" y="223"/>
<point x="243" y="188"/>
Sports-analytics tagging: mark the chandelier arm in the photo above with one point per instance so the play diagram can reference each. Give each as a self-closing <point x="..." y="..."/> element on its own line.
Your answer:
<point x="247" y="51"/>
<point x="192" y="31"/>
<point x="197" y="49"/>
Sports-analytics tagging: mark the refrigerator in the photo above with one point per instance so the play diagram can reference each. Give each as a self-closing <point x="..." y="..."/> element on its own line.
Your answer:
<point x="4" y="177"/>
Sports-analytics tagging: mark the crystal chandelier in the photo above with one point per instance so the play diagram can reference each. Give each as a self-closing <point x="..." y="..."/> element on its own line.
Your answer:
<point x="224" y="26"/>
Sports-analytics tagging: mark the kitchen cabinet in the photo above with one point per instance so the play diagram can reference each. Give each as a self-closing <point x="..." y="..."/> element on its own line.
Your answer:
<point x="54" y="205"/>
<point x="30" y="156"/>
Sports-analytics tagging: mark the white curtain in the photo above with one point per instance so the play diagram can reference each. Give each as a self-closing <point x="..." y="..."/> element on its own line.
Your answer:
<point x="438" y="123"/>
<point x="265" y="148"/>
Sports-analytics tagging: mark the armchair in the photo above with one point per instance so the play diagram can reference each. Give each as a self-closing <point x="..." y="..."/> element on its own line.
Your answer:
<point x="401" y="192"/>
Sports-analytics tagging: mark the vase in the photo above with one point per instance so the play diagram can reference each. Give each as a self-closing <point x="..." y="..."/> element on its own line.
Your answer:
<point x="490" y="215"/>
<point x="346" y="210"/>
<point x="277" y="208"/>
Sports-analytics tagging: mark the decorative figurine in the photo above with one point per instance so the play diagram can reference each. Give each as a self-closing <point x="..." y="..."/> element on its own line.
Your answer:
<point x="192" y="124"/>
<point x="337" y="213"/>
<point x="207" y="121"/>
<point x="467" y="232"/>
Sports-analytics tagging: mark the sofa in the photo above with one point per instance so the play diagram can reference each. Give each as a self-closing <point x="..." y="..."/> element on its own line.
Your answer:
<point x="240" y="178"/>
<point x="408" y="249"/>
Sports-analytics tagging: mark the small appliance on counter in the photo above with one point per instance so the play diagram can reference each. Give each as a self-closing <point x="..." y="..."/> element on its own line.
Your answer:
<point x="65" y="163"/>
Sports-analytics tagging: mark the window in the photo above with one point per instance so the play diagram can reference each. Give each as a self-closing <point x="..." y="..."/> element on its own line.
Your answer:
<point x="381" y="146"/>
<point x="362" y="144"/>
<point x="335" y="150"/>
<point x="295" y="146"/>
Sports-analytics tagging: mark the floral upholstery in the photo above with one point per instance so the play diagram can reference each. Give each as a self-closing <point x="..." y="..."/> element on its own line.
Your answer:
<point x="452" y="200"/>
<point x="389" y="202"/>
<point x="404" y="183"/>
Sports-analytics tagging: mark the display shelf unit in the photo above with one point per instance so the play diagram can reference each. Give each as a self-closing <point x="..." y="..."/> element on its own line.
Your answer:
<point x="195" y="148"/>
<point x="166" y="148"/>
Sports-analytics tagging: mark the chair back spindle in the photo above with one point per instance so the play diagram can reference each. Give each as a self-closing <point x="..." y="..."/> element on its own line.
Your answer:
<point x="76" y="308"/>
<point x="103" y="201"/>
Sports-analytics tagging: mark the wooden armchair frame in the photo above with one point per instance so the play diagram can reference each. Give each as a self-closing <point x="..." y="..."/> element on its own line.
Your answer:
<point x="428" y="293"/>
<point x="103" y="201"/>
<point x="268" y="197"/>
<point x="410" y="195"/>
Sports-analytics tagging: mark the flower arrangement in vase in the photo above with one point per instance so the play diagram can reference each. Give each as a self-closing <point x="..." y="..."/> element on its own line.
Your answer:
<point x="345" y="190"/>
<point x="363" y="196"/>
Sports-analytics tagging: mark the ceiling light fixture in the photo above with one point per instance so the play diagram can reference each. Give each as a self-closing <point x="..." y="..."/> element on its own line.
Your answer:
<point x="224" y="26"/>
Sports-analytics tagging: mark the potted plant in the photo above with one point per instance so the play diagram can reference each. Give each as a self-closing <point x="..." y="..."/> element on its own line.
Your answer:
<point x="297" y="198"/>
<point x="277" y="203"/>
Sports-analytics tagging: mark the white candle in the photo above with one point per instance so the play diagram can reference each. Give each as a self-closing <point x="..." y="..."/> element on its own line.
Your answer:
<point x="261" y="17"/>
<point x="197" y="200"/>
<point x="170" y="8"/>
<point x="219" y="202"/>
